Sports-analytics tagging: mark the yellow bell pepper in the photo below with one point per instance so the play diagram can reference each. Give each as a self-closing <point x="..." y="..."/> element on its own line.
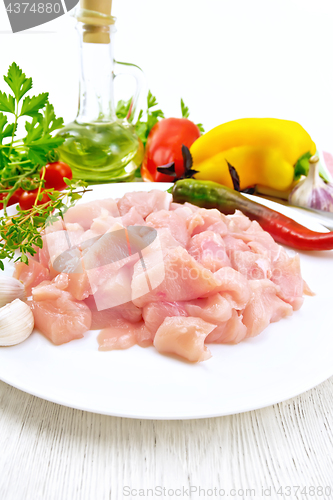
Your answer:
<point x="262" y="150"/>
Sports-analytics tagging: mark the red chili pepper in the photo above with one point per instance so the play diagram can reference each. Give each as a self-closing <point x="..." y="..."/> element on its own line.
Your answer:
<point x="207" y="194"/>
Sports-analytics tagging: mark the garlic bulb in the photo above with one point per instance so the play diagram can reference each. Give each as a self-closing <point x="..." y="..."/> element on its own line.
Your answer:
<point x="313" y="192"/>
<point x="10" y="289"/>
<point x="16" y="323"/>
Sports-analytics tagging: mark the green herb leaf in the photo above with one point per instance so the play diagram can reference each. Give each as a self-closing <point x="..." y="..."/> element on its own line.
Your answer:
<point x="186" y="114"/>
<point x="122" y="108"/>
<point x="7" y="103"/>
<point x="37" y="155"/>
<point x="17" y="81"/>
<point x="185" y="110"/>
<point x="24" y="259"/>
<point x="50" y="122"/>
<point x="302" y="166"/>
<point x="4" y="160"/>
<point x="151" y="100"/>
<point x="52" y="156"/>
<point x="39" y="241"/>
<point x="47" y="143"/>
<point x="3" y="121"/>
<point x="153" y="118"/>
<point x="9" y="130"/>
<point x="143" y="126"/>
<point x="32" y="105"/>
<point x="201" y="128"/>
<point x="141" y="130"/>
<point x="34" y="129"/>
<point x="140" y="115"/>
<point x="76" y="196"/>
<point x="27" y="85"/>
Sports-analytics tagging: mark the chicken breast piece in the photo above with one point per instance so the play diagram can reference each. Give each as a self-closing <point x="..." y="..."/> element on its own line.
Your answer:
<point x="184" y="337"/>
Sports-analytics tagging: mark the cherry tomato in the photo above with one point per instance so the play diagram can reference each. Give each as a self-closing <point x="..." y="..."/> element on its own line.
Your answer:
<point x="28" y="199"/>
<point x="15" y="197"/>
<point x="54" y="175"/>
<point x="164" y="145"/>
<point x="2" y="196"/>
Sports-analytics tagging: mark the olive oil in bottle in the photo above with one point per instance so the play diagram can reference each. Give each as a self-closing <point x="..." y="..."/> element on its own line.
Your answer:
<point x="97" y="153"/>
<point x="99" y="147"/>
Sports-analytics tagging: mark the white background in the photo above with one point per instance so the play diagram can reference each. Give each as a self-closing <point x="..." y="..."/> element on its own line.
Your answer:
<point x="226" y="58"/>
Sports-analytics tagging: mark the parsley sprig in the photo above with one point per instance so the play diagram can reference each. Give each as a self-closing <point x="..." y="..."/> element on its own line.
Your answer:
<point x="150" y="116"/>
<point x="186" y="114"/>
<point x="21" y="162"/>
<point x="146" y="119"/>
<point x="22" y="159"/>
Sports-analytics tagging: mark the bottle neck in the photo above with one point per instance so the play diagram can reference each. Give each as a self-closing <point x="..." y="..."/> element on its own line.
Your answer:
<point x="96" y="97"/>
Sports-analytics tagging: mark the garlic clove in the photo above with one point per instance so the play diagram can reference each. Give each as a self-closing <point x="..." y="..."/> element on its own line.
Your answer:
<point x="313" y="192"/>
<point x="16" y="323"/>
<point x="10" y="289"/>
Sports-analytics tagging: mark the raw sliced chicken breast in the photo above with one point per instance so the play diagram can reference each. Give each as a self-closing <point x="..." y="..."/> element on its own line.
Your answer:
<point x="51" y="290"/>
<point x="155" y="313"/>
<point x="233" y="286"/>
<point x="181" y="210"/>
<point x="104" y="223"/>
<point x="286" y="273"/>
<point x="251" y="265"/>
<point x="209" y="249"/>
<point x="106" y="317"/>
<point x="146" y="270"/>
<point x="30" y="274"/>
<point x="185" y="279"/>
<point x="60" y="319"/>
<point x="79" y="285"/>
<point x="173" y="222"/>
<point x="234" y="244"/>
<point x="115" y="338"/>
<point x="145" y="203"/>
<point x="264" y="307"/>
<point x="132" y="218"/>
<point x="166" y="239"/>
<point x="115" y="290"/>
<point x="58" y="242"/>
<point x="238" y="222"/>
<point x="184" y="337"/>
<point x="256" y="236"/>
<point x="203" y="220"/>
<point x="214" y="309"/>
<point x="231" y="331"/>
<point x="85" y="213"/>
<point x="122" y="335"/>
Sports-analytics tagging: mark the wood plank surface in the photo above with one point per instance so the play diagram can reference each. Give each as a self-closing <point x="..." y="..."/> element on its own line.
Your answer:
<point x="50" y="452"/>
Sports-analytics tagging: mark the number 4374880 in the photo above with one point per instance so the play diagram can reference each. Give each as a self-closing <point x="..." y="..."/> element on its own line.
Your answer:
<point x="36" y="8"/>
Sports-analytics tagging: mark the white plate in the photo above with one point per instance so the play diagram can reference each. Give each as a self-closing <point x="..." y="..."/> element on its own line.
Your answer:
<point x="288" y="358"/>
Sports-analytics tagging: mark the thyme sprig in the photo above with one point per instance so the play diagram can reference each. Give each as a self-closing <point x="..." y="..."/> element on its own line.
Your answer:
<point x="21" y="232"/>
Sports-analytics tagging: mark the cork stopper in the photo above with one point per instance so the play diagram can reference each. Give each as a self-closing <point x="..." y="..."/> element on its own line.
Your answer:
<point x="97" y="19"/>
<point x="101" y="6"/>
